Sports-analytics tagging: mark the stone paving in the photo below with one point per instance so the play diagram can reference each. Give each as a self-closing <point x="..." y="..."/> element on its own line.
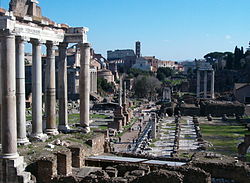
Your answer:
<point x="164" y="145"/>
<point x="166" y="135"/>
<point x="187" y="135"/>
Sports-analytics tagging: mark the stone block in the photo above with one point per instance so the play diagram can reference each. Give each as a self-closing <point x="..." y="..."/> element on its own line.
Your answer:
<point x="97" y="144"/>
<point x="47" y="169"/>
<point x="64" y="163"/>
<point x="77" y="156"/>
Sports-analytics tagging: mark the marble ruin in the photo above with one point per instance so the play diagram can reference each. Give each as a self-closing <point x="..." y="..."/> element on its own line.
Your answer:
<point x="205" y="68"/>
<point x="24" y="23"/>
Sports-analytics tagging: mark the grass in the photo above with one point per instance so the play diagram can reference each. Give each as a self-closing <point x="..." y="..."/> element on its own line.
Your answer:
<point x="99" y="116"/>
<point x="225" y="139"/>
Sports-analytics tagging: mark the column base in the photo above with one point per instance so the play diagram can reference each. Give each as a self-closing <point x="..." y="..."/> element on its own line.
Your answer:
<point x="23" y="141"/>
<point x="11" y="156"/>
<point x="85" y="129"/>
<point x="64" y="128"/>
<point x="13" y="170"/>
<point x="41" y="137"/>
<point x="51" y="132"/>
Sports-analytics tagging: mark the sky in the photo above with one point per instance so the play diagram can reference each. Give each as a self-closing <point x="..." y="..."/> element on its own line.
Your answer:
<point x="168" y="29"/>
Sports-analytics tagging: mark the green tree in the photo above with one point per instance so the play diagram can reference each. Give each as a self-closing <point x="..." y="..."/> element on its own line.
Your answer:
<point x="104" y="86"/>
<point x="146" y="86"/>
<point x="164" y="72"/>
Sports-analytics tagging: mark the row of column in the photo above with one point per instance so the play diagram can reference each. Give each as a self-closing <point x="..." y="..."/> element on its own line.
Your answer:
<point x="13" y="115"/>
<point x="205" y="83"/>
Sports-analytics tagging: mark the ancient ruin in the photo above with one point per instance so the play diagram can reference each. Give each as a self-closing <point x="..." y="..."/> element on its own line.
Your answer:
<point x="24" y="23"/>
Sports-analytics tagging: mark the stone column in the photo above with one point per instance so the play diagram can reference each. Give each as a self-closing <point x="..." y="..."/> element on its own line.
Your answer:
<point x="63" y="88"/>
<point x="96" y="82"/>
<point x="0" y="91"/>
<point x="205" y="84"/>
<point x="8" y="81"/>
<point x="84" y="86"/>
<point x="50" y="90"/>
<point x="20" y="93"/>
<point x="198" y="84"/>
<point x="212" y="84"/>
<point x="37" y="127"/>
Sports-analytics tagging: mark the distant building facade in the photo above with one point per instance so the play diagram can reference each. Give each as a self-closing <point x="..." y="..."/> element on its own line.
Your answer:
<point x="128" y="56"/>
<point x="242" y="92"/>
<point x="142" y="64"/>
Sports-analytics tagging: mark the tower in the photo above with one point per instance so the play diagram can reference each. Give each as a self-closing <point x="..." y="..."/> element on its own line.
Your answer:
<point x="138" y="49"/>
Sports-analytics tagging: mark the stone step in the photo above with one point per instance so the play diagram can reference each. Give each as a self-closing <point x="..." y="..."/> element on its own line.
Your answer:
<point x="24" y="177"/>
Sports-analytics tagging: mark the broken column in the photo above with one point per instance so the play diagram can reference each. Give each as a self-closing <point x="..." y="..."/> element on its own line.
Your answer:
<point x="63" y="88"/>
<point x="37" y="130"/>
<point x="119" y="118"/>
<point x="8" y="79"/>
<point x="20" y="92"/>
<point x="198" y="83"/>
<point x="50" y="90"/>
<point x="84" y="86"/>
<point x="124" y="104"/>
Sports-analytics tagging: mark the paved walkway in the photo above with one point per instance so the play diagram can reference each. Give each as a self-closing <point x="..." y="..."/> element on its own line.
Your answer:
<point x="187" y="135"/>
<point x="128" y="137"/>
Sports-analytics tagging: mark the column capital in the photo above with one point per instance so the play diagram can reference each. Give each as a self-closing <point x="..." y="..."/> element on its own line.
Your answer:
<point x="37" y="41"/>
<point x="22" y="39"/>
<point x="52" y="43"/>
<point x="85" y="45"/>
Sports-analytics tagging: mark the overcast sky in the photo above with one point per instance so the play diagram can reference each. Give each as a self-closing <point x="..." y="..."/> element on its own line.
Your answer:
<point x="168" y="29"/>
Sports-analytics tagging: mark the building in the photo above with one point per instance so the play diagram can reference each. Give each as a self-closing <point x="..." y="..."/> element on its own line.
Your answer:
<point x="128" y="56"/>
<point x="153" y="62"/>
<point x="242" y="92"/>
<point x="142" y="64"/>
<point x="106" y="74"/>
<point x="138" y="49"/>
<point x="188" y="66"/>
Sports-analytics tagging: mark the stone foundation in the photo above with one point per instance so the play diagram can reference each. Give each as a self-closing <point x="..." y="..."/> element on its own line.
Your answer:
<point x="64" y="163"/>
<point x="47" y="169"/>
<point x="77" y="156"/>
<point x="13" y="171"/>
<point x="97" y="144"/>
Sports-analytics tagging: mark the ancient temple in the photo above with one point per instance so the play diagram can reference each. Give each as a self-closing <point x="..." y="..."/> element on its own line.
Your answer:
<point x="24" y="23"/>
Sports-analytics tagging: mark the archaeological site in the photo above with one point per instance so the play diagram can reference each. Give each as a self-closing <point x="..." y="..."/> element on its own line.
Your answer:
<point x="71" y="115"/>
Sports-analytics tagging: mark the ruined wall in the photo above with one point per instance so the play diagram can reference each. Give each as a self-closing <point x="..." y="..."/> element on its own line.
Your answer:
<point x="217" y="109"/>
<point x="97" y="144"/>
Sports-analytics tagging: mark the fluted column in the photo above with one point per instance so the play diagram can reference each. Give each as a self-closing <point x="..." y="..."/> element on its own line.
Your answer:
<point x="20" y="93"/>
<point x="50" y="91"/>
<point x="63" y="88"/>
<point x="205" y="84"/>
<point x="8" y="81"/>
<point x="198" y="84"/>
<point x="37" y="129"/>
<point x="84" y="86"/>
<point x="212" y="84"/>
